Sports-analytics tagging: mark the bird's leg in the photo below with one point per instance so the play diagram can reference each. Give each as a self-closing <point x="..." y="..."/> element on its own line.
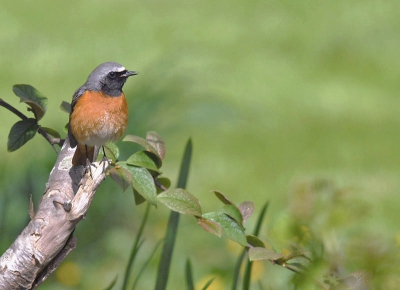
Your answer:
<point x="88" y="163"/>
<point x="104" y="159"/>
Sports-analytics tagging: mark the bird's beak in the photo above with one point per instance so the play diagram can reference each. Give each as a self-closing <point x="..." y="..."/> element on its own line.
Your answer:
<point x="129" y="73"/>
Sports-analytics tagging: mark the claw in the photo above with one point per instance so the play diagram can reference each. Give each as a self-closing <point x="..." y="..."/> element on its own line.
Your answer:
<point x="104" y="159"/>
<point x="89" y="167"/>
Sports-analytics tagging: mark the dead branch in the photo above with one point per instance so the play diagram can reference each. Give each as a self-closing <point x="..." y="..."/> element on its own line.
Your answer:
<point x="48" y="238"/>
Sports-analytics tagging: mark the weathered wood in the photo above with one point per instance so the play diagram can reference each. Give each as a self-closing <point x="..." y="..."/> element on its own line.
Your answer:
<point x="48" y="237"/>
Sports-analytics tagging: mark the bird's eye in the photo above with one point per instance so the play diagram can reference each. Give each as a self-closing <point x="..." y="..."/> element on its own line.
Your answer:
<point x="112" y="74"/>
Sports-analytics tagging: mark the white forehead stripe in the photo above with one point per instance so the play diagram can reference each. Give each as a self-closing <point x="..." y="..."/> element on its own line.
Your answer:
<point x="120" y="69"/>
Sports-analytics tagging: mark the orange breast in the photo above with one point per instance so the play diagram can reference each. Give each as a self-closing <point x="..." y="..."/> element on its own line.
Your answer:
<point x="98" y="118"/>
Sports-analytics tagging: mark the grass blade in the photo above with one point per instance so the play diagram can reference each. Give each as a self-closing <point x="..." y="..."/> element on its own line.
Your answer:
<point x="135" y="249"/>
<point x="247" y="271"/>
<point x="260" y="219"/>
<point x="208" y="284"/>
<point x="184" y="171"/>
<point x="170" y="236"/>
<point x="237" y="270"/>
<point x="146" y="264"/>
<point x="112" y="283"/>
<point x="189" y="275"/>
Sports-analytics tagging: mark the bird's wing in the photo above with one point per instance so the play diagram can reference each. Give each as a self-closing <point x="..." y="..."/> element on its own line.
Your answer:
<point x="78" y="93"/>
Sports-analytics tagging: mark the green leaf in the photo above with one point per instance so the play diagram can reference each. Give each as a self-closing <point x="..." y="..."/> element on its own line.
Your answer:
<point x="21" y="132"/>
<point x="222" y="197"/>
<point x="112" y="152"/>
<point x="181" y="201"/>
<point x="112" y="283"/>
<point x="165" y="182"/>
<point x="32" y="98"/>
<point x="189" y="275"/>
<point x="246" y="209"/>
<point x="145" y="159"/>
<point x="233" y="212"/>
<point x="142" y="142"/>
<point x="113" y="148"/>
<point x="254" y="241"/>
<point x="211" y="227"/>
<point x="259" y="253"/>
<point x="142" y="182"/>
<point x="121" y="176"/>
<point x="138" y="198"/>
<point x="208" y="284"/>
<point x="231" y="228"/>
<point x="157" y="142"/>
<point x="51" y="132"/>
<point x="173" y="222"/>
<point x="249" y="265"/>
<point x="65" y="107"/>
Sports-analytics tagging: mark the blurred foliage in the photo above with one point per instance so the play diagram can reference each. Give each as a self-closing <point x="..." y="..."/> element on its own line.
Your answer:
<point x="294" y="102"/>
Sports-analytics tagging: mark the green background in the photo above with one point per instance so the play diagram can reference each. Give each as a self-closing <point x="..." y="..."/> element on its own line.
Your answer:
<point x="295" y="102"/>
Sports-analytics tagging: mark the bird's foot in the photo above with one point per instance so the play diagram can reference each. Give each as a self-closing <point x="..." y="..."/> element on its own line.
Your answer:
<point x="105" y="162"/>
<point x="89" y="166"/>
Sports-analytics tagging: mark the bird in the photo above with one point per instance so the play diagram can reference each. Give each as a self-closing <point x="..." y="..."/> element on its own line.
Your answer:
<point x="99" y="111"/>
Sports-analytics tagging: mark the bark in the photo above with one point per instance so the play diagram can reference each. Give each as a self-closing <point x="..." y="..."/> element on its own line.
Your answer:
<point x="48" y="238"/>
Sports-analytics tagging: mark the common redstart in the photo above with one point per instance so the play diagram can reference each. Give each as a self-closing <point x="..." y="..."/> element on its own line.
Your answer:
<point x="99" y="111"/>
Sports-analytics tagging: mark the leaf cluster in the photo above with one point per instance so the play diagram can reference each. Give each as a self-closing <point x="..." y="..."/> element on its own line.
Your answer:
<point x="141" y="172"/>
<point x="24" y="130"/>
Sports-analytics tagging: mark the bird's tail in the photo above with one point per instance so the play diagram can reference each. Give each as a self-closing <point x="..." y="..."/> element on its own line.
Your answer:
<point x="82" y="153"/>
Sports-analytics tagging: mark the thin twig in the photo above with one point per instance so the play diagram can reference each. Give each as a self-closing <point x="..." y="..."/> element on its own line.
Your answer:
<point x="159" y="185"/>
<point x="52" y="140"/>
<point x="291" y="268"/>
<point x="12" y="109"/>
